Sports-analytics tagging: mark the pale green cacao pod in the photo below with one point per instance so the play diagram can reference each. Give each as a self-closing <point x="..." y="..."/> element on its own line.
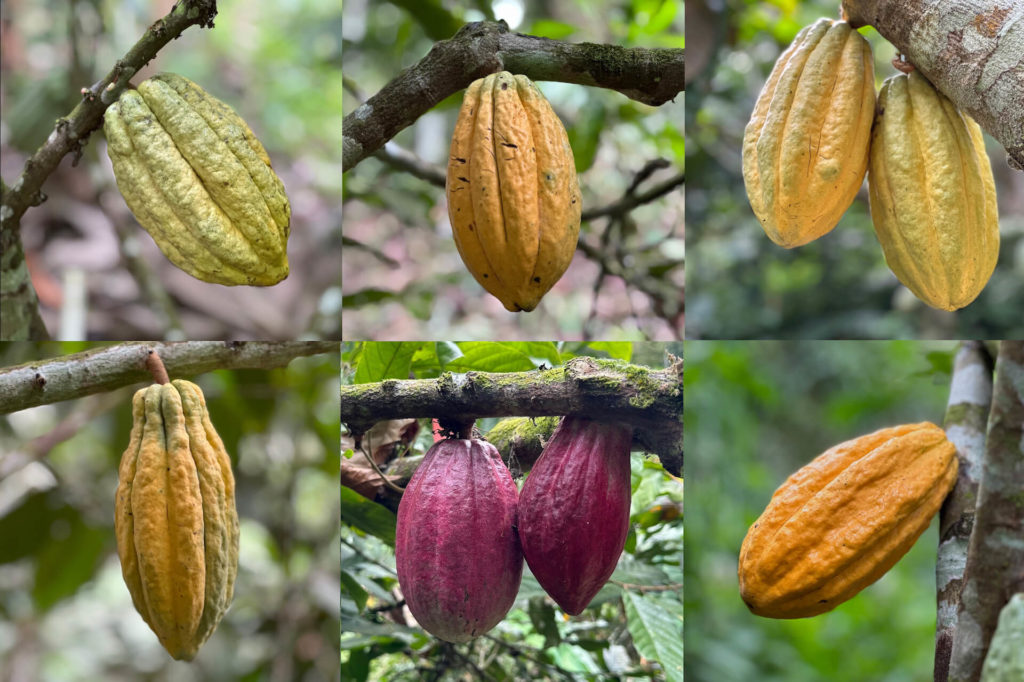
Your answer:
<point x="933" y="197"/>
<point x="198" y="180"/>
<point x="1005" y="659"/>
<point x="175" y="517"/>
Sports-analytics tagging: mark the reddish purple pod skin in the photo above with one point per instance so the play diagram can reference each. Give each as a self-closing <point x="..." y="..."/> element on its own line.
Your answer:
<point x="574" y="509"/>
<point x="458" y="556"/>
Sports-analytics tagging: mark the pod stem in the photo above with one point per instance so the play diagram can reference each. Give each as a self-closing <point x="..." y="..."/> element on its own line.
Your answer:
<point x="155" y="366"/>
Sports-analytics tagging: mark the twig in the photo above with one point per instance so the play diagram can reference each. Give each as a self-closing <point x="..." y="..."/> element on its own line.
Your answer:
<point x="17" y="297"/>
<point x="652" y="76"/>
<point x="104" y="369"/>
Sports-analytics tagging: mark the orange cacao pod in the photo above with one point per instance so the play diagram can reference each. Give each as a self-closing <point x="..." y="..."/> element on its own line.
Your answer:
<point x="839" y="523"/>
<point x="513" y="196"/>
<point x="933" y="198"/>
<point x="805" y="149"/>
<point x="175" y="518"/>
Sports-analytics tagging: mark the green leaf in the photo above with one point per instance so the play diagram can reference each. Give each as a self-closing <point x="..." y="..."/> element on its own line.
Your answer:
<point x="657" y="632"/>
<point x="385" y="360"/>
<point x="518" y="356"/>
<point x="367" y="516"/>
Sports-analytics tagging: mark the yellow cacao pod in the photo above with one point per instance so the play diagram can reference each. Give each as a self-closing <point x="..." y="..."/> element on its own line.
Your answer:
<point x="933" y="198"/>
<point x="198" y="180"/>
<point x="805" y="149"/>
<point x="175" y="518"/>
<point x="839" y="523"/>
<point x="513" y="196"/>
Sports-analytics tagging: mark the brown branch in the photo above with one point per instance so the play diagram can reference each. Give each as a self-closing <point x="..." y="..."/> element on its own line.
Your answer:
<point x="104" y="369"/>
<point x="649" y="75"/>
<point x="995" y="558"/>
<point x="971" y="50"/>
<point x="18" y="299"/>
<point x="970" y="394"/>
<point x="650" y="400"/>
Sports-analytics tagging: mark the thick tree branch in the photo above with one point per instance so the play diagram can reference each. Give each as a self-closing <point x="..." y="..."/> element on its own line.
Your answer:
<point x="96" y="371"/>
<point x="652" y="76"/>
<point x="650" y="400"/>
<point x="971" y="50"/>
<point x="970" y="394"/>
<point x="995" y="558"/>
<point x="18" y="299"/>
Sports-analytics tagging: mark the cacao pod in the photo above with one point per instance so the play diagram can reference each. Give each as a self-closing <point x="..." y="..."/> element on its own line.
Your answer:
<point x="458" y="557"/>
<point x="513" y="197"/>
<point x="574" y="509"/>
<point x="839" y="523"/>
<point x="1004" y="661"/>
<point x="175" y="518"/>
<point x="805" y="149"/>
<point x="198" y="180"/>
<point x="933" y="198"/>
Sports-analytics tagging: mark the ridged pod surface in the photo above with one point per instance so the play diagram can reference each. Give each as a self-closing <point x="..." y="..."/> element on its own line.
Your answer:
<point x="198" y="180"/>
<point x="175" y="518"/>
<point x="513" y="195"/>
<point x="933" y="198"/>
<point x="456" y="550"/>
<point x="574" y="509"/>
<point x="1004" y="661"/>
<point x="839" y="523"/>
<point x="805" y="149"/>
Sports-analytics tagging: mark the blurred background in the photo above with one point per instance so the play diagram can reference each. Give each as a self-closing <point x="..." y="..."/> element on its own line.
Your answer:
<point x="65" y="612"/>
<point x="740" y="284"/>
<point x="755" y="413"/>
<point x="97" y="273"/>
<point x="403" y="278"/>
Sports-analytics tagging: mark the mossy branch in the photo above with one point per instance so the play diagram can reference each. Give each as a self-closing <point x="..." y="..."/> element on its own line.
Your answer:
<point x="104" y="369"/>
<point x="650" y="400"/>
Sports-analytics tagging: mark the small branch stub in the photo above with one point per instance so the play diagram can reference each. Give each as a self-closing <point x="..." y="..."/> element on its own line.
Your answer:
<point x="155" y="366"/>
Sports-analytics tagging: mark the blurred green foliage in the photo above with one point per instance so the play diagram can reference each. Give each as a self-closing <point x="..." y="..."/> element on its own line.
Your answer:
<point x="755" y="412"/>
<point x="740" y="284"/>
<point x="535" y="641"/>
<point x="60" y="576"/>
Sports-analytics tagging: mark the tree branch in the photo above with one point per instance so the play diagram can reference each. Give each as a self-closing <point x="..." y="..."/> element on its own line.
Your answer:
<point x="970" y="394"/>
<point x="650" y="400"/>
<point x="995" y="558"/>
<point x="649" y="75"/>
<point x="18" y="299"/>
<point x="971" y="50"/>
<point x="104" y="369"/>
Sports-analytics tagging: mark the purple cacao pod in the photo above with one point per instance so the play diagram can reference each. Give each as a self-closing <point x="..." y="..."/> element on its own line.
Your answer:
<point x="458" y="556"/>
<point x="574" y="509"/>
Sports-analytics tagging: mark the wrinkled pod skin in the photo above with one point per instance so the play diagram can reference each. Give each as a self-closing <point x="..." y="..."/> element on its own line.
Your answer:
<point x="842" y="521"/>
<point x="805" y="149"/>
<point x="933" y="197"/>
<point x="574" y="509"/>
<point x="198" y="180"/>
<point x="457" y="553"/>
<point x="513" y="196"/>
<point x="175" y="517"/>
